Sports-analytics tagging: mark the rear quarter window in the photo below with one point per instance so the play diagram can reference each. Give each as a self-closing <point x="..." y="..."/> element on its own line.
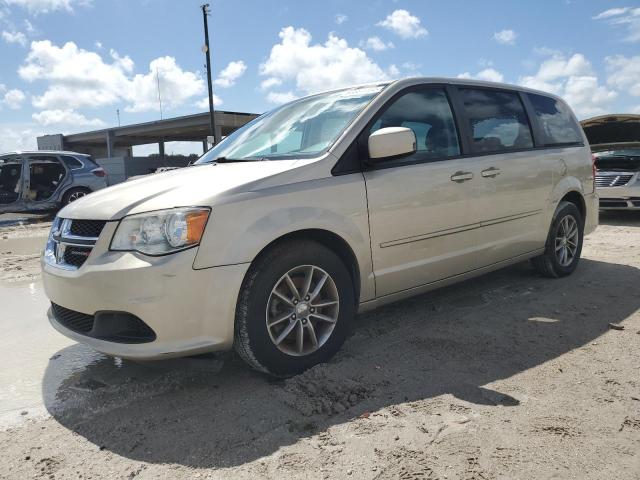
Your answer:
<point x="72" y="162"/>
<point x="556" y="121"/>
<point x="497" y="120"/>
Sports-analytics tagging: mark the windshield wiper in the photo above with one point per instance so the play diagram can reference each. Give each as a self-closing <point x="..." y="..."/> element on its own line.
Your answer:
<point x="226" y="160"/>
<point x="248" y="159"/>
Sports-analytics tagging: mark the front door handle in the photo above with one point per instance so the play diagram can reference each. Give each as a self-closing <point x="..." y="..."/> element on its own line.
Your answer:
<point x="491" y="172"/>
<point x="461" y="176"/>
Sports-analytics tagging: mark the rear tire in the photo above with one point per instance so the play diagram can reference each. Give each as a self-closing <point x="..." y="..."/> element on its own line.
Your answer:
<point x="283" y="332"/>
<point x="74" y="194"/>
<point x="564" y="243"/>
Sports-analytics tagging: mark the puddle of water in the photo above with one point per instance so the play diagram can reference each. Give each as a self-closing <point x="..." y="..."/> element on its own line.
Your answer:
<point x="23" y="245"/>
<point x="27" y="342"/>
<point x="13" y="219"/>
<point x="43" y="372"/>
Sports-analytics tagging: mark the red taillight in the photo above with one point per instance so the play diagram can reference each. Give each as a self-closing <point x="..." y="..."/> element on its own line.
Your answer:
<point x="99" y="172"/>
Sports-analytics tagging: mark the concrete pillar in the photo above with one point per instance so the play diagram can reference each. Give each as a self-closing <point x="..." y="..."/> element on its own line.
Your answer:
<point x="218" y="132"/>
<point x="205" y="146"/>
<point x="161" y="149"/>
<point x="109" y="140"/>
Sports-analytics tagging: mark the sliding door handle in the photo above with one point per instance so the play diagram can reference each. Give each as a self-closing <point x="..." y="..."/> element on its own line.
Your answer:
<point x="461" y="176"/>
<point x="491" y="172"/>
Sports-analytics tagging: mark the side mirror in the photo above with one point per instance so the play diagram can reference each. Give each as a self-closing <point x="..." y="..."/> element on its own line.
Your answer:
<point x="391" y="142"/>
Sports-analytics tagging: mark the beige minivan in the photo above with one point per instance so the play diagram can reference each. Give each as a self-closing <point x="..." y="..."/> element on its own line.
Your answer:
<point x="329" y="205"/>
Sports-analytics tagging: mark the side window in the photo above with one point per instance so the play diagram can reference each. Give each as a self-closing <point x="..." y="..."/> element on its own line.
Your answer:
<point x="72" y="162"/>
<point x="497" y="121"/>
<point x="428" y="113"/>
<point x="556" y="121"/>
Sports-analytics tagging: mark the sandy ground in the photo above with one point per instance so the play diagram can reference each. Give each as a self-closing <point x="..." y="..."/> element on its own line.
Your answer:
<point x="508" y="376"/>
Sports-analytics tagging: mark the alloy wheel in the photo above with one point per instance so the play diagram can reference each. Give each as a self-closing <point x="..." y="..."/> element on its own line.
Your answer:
<point x="302" y="310"/>
<point x="566" y="242"/>
<point x="76" y="195"/>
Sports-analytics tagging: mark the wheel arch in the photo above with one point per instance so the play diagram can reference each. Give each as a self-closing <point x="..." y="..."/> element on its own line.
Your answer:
<point x="74" y="187"/>
<point x="332" y="241"/>
<point x="575" y="197"/>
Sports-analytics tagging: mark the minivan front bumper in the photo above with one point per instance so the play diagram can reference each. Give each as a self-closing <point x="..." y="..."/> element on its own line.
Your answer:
<point x="190" y="311"/>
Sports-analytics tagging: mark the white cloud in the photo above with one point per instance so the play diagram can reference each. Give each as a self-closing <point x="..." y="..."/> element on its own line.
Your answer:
<point x="404" y="24"/>
<point x="627" y="18"/>
<point x="29" y="27"/>
<point x="80" y="78"/>
<point x="98" y="45"/>
<point x="411" y="66"/>
<point x="14" y="98"/>
<point x="280" y="97"/>
<point x="376" y="44"/>
<point x="612" y="12"/>
<point x="17" y="137"/>
<point x="340" y="18"/>
<point x="231" y="73"/>
<point x="573" y="79"/>
<point x="488" y="74"/>
<point x="204" y="102"/>
<point x="546" y="51"/>
<point x="177" y="86"/>
<point x="47" y="6"/>
<point x="269" y="83"/>
<point x="624" y="73"/>
<point x="317" y="67"/>
<point x="67" y="117"/>
<point x="14" y="37"/>
<point x="505" y="37"/>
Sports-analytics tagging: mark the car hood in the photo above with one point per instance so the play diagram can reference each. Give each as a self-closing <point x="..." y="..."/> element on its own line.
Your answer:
<point x="200" y="185"/>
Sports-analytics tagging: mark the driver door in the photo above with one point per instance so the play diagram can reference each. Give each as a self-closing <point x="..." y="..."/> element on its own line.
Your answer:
<point x="422" y="220"/>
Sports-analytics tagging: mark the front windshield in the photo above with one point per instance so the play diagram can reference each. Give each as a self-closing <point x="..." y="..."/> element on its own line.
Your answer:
<point x="300" y="129"/>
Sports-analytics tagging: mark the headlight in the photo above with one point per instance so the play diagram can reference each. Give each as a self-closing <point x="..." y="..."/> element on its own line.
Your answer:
<point x="161" y="232"/>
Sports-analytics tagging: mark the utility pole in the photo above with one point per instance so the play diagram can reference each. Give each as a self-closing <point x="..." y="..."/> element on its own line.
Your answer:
<point x="159" y="96"/>
<point x="212" y="120"/>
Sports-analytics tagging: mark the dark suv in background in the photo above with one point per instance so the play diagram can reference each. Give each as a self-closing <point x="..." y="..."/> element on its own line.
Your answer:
<point x="46" y="180"/>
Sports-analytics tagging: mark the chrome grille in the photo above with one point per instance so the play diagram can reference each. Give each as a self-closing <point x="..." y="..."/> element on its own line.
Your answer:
<point x="612" y="179"/>
<point x="71" y="242"/>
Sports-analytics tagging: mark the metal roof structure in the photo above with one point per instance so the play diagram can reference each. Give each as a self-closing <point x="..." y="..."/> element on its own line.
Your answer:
<point x="193" y="128"/>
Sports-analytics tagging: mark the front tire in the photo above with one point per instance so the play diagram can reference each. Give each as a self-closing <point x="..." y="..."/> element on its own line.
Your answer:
<point x="564" y="243"/>
<point x="295" y="308"/>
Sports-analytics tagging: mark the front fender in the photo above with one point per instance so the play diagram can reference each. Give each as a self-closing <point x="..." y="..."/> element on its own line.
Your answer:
<point x="239" y="230"/>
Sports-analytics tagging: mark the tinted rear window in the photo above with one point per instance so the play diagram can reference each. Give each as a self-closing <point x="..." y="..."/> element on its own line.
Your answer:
<point x="497" y="121"/>
<point x="72" y="162"/>
<point x="556" y="122"/>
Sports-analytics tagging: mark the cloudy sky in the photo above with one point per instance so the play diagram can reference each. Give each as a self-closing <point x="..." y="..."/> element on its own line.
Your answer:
<point x="68" y="65"/>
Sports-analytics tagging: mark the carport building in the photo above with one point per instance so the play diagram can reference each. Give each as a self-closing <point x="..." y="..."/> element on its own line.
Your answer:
<point x="112" y="147"/>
